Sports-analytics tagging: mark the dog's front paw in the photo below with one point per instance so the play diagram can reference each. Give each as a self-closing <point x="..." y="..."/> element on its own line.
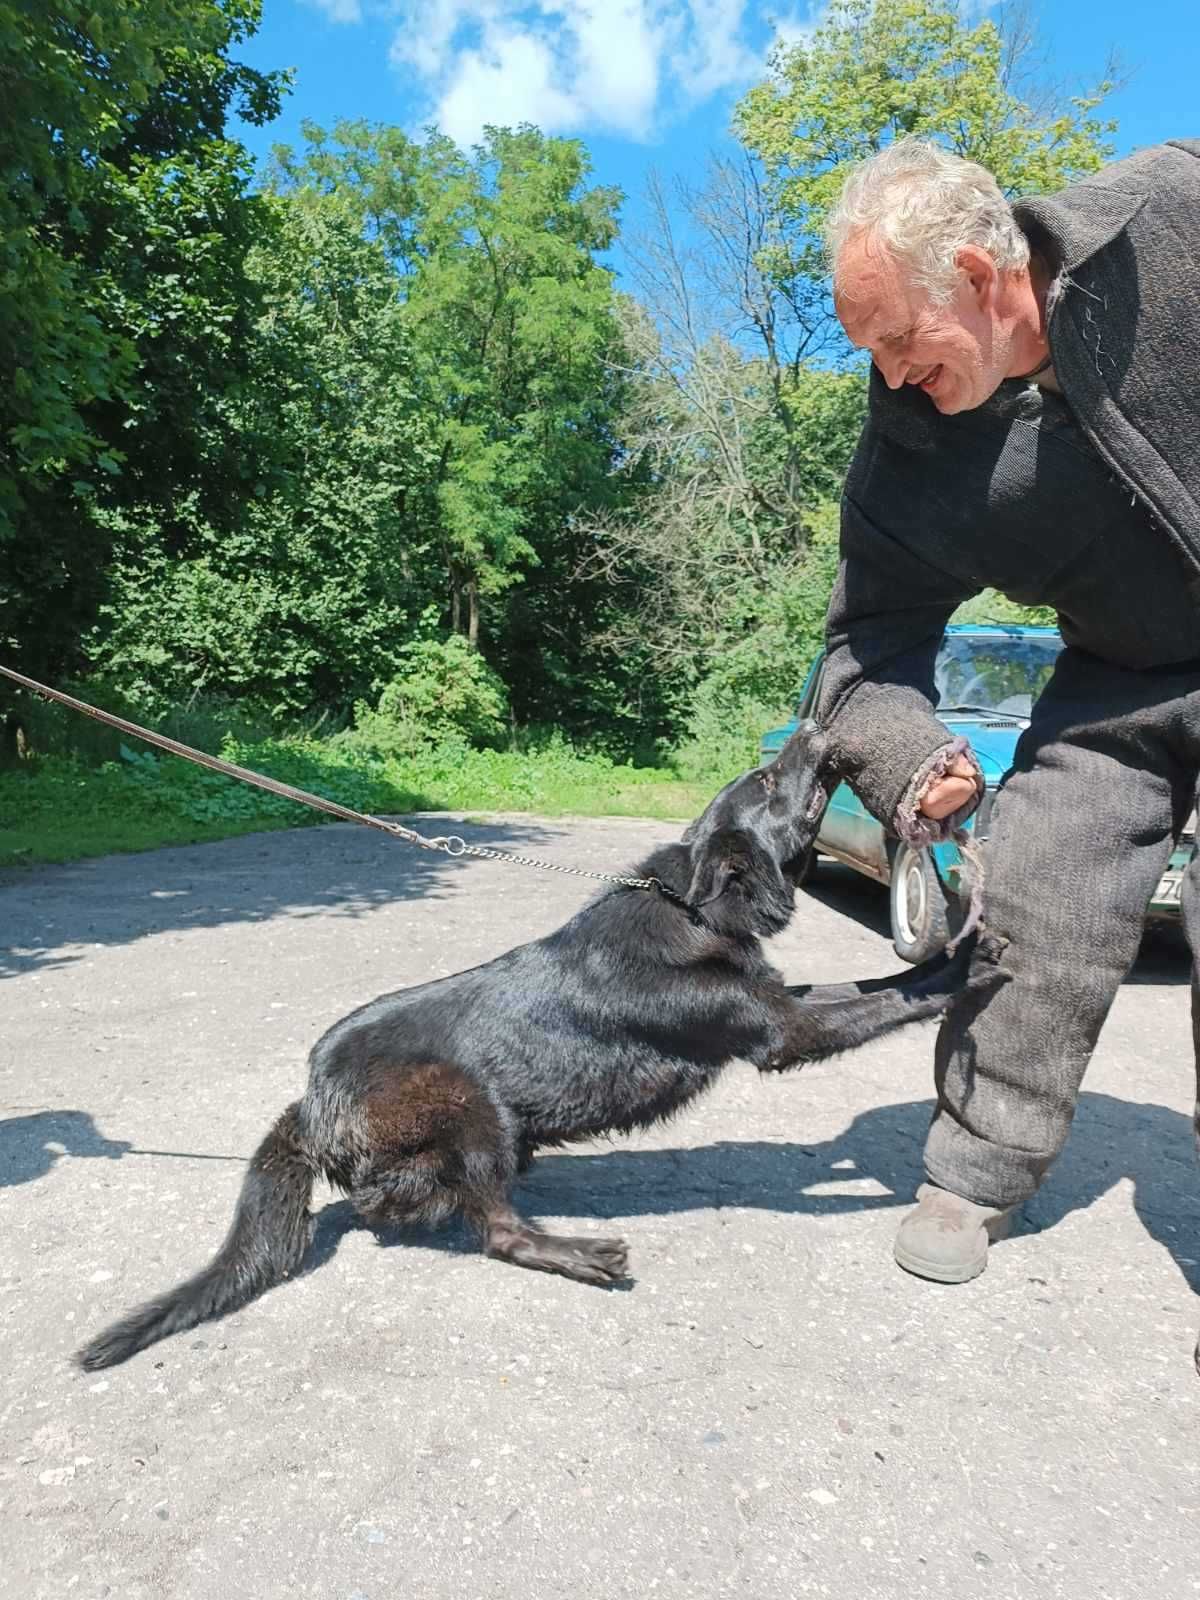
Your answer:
<point x="991" y="946"/>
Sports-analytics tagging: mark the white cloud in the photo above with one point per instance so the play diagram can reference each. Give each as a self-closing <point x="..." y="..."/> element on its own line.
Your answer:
<point x="794" y="29"/>
<point x="340" y="10"/>
<point x="617" y="66"/>
<point x="613" y="59"/>
<point x="426" y="37"/>
<point x="508" y="80"/>
<point x="717" y="53"/>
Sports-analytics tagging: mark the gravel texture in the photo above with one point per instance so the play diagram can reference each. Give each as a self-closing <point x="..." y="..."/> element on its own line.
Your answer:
<point x="772" y="1410"/>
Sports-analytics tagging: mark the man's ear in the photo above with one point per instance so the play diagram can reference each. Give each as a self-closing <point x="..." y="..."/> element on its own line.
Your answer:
<point x="721" y="859"/>
<point x="979" y="269"/>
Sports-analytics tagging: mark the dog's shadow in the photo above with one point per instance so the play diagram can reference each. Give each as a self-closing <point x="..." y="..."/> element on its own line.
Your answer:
<point x="874" y="1164"/>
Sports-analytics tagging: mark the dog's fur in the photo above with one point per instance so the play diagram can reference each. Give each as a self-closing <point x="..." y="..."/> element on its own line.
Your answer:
<point x="429" y="1101"/>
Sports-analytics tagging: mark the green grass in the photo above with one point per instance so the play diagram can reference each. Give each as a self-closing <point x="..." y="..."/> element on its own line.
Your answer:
<point x="57" y="808"/>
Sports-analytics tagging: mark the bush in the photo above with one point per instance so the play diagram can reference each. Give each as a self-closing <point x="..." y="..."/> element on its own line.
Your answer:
<point x="724" y="735"/>
<point x="445" y="693"/>
<point x="754" y="683"/>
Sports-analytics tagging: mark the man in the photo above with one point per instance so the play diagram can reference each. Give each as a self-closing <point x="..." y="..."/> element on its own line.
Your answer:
<point x="1034" y="426"/>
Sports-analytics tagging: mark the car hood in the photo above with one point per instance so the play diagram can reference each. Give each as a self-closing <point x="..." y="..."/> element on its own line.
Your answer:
<point x="994" y="743"/>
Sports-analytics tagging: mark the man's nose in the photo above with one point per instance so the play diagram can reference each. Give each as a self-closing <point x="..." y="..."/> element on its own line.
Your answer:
<point x="893" y="367"/>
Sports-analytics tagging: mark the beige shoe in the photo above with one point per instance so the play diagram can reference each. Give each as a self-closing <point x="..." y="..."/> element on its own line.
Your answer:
<point x="946" y="1238"/>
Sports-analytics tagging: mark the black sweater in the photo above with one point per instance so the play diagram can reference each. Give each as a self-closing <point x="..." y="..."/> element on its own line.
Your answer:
<point x="1090" y="504"/>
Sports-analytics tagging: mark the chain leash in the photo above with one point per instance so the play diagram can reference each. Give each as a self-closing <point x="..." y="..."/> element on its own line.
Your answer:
<point x="454" y="845"/>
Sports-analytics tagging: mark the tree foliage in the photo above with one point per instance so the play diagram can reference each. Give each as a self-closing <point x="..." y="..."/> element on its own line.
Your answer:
<point x="124" y="221"/>
<point x="510" y="317"/>
<point x="511" y="337"/>
<point x="303" y="598"/>
<point x="876" y="70"/>
<point x="375" y="432"/>
<point x="734" y="447"/>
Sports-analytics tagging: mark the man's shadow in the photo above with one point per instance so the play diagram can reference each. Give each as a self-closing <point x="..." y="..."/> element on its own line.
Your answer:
<point x="1111" y="1139"/>
<point x="30" y="1146"/>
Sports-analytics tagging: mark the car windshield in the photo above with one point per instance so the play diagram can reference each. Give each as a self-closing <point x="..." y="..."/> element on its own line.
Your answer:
<point x="994" y="673"/>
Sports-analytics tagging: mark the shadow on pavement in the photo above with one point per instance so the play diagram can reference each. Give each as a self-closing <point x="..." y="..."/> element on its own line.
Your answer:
<point x="31" y="1145"/>
<point x="1112" y="1140"/>
<point x="840" y="888"/>
<point x="339" y="869"/>
<point x="1164" y="958"/>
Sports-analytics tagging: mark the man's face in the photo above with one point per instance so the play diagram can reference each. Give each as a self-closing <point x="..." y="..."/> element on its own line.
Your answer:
<point x="956" y="353"/>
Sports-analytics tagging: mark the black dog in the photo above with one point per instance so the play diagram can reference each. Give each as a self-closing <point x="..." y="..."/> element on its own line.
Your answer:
<point x="429" y="1101"/>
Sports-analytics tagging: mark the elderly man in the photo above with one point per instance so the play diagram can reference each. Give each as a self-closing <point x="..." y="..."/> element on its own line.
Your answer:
<point x="1034" y="426"/>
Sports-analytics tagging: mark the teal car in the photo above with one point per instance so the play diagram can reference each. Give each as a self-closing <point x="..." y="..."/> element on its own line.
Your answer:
<point x="987" y="679"/>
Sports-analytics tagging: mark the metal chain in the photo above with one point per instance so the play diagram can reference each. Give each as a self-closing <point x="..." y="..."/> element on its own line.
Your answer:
<point x="447" y="842"/>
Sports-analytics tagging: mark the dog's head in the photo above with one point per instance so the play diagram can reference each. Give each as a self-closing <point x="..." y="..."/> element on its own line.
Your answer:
<point x="752" y="833"/>
<point x="737" y="887"/>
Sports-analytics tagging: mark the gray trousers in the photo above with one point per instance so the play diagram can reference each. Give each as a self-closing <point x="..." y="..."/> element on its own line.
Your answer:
<point x="1082" y="829"/>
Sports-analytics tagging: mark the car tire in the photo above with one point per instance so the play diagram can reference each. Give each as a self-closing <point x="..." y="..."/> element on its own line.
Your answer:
<point x="917" y="905"/>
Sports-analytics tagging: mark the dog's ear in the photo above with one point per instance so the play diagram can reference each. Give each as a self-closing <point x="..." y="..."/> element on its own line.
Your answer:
<point x="716" y="863"/>
<point x="732" y="857"/>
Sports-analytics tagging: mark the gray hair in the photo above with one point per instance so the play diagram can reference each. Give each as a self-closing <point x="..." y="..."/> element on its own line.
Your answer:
<point x="923" y="204"/>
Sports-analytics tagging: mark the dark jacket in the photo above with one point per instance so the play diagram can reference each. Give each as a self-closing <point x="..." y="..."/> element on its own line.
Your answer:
<point x="1092" y="506"/>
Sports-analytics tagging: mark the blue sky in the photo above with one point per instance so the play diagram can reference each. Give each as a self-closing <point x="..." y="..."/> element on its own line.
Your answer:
<point x="647" y="83"/>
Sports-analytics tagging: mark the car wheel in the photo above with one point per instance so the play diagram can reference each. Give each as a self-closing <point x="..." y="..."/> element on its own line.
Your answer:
<point x="920" y="926"/>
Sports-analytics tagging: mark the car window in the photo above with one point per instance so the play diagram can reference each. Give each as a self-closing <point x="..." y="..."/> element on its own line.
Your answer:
<point x="994" y="673"/>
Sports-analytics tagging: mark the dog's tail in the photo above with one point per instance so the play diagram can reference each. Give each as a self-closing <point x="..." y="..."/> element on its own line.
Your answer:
<point x="270" y="1233"/>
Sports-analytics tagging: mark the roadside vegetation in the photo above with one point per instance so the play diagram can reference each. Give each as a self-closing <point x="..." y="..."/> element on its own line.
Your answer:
<point x="367" y="469"/>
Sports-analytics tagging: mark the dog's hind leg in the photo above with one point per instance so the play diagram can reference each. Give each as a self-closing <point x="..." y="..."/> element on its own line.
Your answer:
<point x="430" y="1141"/>
<point x="509" y="1237"/>
<point x="435" y="1143"/>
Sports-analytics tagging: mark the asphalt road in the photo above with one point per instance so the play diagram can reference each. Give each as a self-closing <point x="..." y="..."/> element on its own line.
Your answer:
<point x="773" y="1410"/>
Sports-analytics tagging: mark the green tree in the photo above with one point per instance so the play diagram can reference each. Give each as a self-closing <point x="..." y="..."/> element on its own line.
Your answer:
<point x="734" y="443"/>
<point x="722" y="499"/>
<point x="875" y="70"/>
<point x="121" y="210"/>
<point x="303" y="590"/>
<point x="511" y="320"/>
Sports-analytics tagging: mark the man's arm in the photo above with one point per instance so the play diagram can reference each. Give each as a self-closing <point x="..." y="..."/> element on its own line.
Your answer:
<point x="886" y="620"/>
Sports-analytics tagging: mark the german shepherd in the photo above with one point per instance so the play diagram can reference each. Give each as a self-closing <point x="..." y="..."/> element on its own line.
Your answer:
<point x="429" y="1101"/>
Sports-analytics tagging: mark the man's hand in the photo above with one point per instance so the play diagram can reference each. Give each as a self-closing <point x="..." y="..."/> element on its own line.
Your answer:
<point x="948" y="793"/>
